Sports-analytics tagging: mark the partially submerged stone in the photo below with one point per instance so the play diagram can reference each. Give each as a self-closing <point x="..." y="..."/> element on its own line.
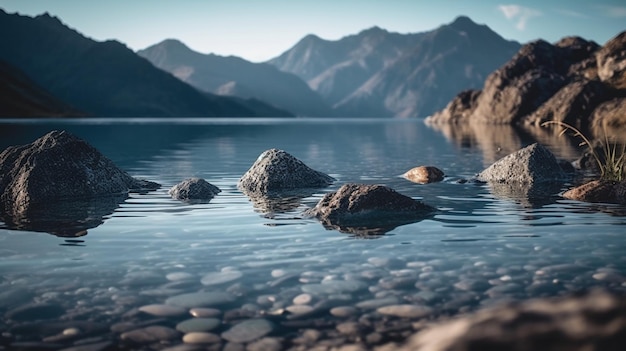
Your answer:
<point x="424" y="174"/>
<point x="530" y="165"/>
<point x="601" y="191"/>
<point x="58" y="171"/>
<point x="361" y="206"/>
<point x="194" y="189"/>
<point x="276" y="170"/>
<point x="592" y="322"/>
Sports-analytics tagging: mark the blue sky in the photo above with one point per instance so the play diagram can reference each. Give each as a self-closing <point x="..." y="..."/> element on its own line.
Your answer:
<point x="262" y="29"/>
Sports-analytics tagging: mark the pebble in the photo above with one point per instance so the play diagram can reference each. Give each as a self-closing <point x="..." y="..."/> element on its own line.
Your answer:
<point x="163" y="310"/>
<point x="198" y="325"/>
<point x="99" y="346"/>
<point x="200" y="312"/>
<point x="343" y="311"/>
<point x="376" y="303"/>
<point x="150" y="334"/>
<point x="35" y="311"/>
<point x="328" y="287"/>
<point x="200" y="299"/>
<point x="217" y="278"/>
<point x="201" y="338"/>
<point x="178" y="276"/>
<point x="265" y="344"/>
<point x="300" y="309"/>
<point x="405" y="311"/>
<point x="303" y="299"/>
<point x="248" y="330"/>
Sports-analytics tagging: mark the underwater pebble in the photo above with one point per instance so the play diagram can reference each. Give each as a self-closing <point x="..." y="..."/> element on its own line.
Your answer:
<point x="198" y="325"/>
<point x="265" y="344"/>
<point x="200" y="299"/>
<point x="248" y="330"/>
<point x="150" y="334"/>
<point x="163" y="310"/>
<point x="376" y="303"/>
<point x="343" y="311"/>
<point x="299" y="309"/>
<point x="201" y="338"/>
<point x="200" y="312"/>
<point x="302" y="299"/>
<point x="217" y="278"/>
<point x="405" y="311"/>
<point x="177" y="276"/>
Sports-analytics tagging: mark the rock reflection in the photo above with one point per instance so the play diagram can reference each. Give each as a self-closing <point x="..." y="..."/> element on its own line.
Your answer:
<point x="372" y="230"/>
<point x="495" y="141"/>
<point x="64" y="218"/>
<point x="533" y="195"/>
<point x="278" y="202"/>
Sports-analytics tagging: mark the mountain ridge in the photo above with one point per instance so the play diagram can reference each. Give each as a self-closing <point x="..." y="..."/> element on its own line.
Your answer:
<point x="365" y="74"/>
<point x="104" y="79"/>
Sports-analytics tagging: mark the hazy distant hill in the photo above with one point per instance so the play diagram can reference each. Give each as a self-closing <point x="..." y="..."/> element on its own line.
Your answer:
<point x="21" y="97"/>
<point x="378" y="73"/>
<point x="237" y="77"/>
<point x="103" y="78"/>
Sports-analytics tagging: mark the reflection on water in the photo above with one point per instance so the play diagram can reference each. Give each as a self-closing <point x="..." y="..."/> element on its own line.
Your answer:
<point x="480" y="247"/>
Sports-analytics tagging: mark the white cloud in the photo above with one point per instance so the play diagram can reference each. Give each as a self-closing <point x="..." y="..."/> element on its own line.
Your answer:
<point x="519" y="14"/>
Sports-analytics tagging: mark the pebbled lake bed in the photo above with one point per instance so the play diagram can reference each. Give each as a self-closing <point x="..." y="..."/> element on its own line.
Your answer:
<point x="149" y="272"/>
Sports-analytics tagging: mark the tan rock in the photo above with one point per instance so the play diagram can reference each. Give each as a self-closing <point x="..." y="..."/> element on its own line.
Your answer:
<point x="599" y="191"/>
<point x="424" y="174"/>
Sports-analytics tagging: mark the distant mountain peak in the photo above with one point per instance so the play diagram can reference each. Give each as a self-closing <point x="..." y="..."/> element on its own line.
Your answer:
<point x="463" y="23"/>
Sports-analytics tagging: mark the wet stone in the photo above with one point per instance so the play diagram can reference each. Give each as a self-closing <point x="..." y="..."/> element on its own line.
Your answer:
<point x="178" y="276"/>
<point x="163" y="310"/>
<point x="265" y="344"/>
<point x="35" y="311"/>
<point x="376" y="303"/>
<point x="328" y="287"/>
<point x="150" y="334"/>
<point x="248" y="330"/>
<point x="99" y="346"/>
<point x="217" y="278"/>
<point x="201" y="338"/>
<point x="343" y="311"/>
<point x="302" y="299"/>
<point x="198" y="325"/>
<point x="200" y="299"/>
<point x="405" y="311"/>
<point x="200" y="312"/>
<point x="299" y="309"/>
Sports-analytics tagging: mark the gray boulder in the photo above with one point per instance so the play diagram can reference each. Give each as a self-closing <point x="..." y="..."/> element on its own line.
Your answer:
<point x="596" y="321"/>
<point x="276" y="170"/>
<point x="530" y="165"/>
<point x="371" y="209"/>
<point x="59" y="168"/>
<point x="194" y="189"/>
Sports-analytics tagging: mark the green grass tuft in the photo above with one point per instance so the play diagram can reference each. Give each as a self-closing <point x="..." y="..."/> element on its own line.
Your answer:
<point x="613" y="166"/>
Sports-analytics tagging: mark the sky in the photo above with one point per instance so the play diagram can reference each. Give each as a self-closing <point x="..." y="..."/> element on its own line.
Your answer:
<point x="263" y="29"/>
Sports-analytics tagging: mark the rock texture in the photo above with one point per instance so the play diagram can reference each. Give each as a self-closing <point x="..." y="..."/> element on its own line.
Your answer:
<point x="424" y="174"/>
<point x="361" y="206"/>
<point x="194" y="189"/>
<point x="276" y="170"/>
<point x="596" y="321"/>
<point x="58" y="170"/>
<point x="599" y="191"/>
<point x="566" y="81"/>
<point x="532" y="164"/>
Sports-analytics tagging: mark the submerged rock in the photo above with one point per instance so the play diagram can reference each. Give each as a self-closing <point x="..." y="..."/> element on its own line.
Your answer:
<point x="593" y="322"/>
<point x="532" y="164"/>
<point x="424" y="174"/>
<point x="361" y="206"/>
<point x="56" y="171"/>
<point x="276" y="170"/>
<point x="194" y="189"/>
<point x="599" y="191"/>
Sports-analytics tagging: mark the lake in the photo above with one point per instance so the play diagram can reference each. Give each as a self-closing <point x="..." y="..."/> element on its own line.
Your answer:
<point x="147" y="260"/>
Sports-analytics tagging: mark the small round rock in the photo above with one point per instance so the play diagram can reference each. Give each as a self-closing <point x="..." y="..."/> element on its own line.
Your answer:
<point x="201" y="338"/>
<point x="424" y="174"/>
<point x="194" y="189"/>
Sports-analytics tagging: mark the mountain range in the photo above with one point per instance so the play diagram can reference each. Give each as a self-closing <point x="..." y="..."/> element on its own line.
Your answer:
<point x="377" y="73"/>
<point x="374" y="73"/>
<point x="104" y="78"/>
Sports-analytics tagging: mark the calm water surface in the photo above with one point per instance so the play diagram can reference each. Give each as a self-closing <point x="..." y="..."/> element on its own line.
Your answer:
<point x="480" y="247"/>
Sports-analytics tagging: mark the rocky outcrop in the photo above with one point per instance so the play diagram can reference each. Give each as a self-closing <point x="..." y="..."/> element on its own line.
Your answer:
<point x="567" y="82"/>
<point x="276" y="170"/>
<point x="57" y="168"/>
<point x="603" y="191"/>
<point x="356" y="207"/>
<point x="612" y="61"/>
<point x="532" y="164"/>
<point x="609" y="118"/>
<point x="194" y="189"/>
<point x="596" y="321"/>
<point x="424" y="174"/>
